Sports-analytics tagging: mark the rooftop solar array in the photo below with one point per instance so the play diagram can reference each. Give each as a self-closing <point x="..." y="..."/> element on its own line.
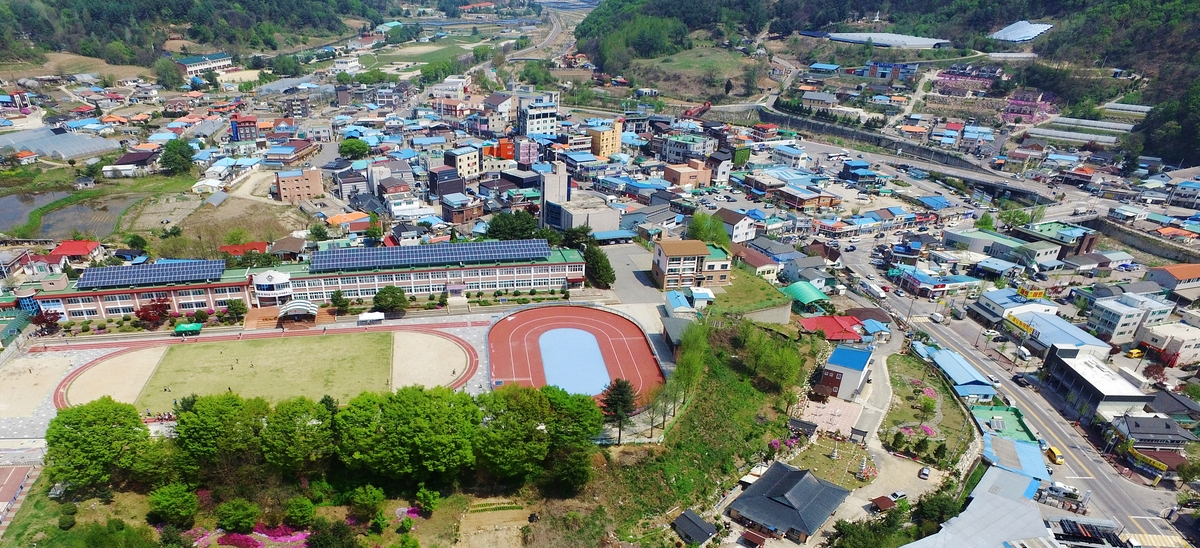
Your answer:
<point x="336" y="260"/>
<point x="150" y="274"/>
<point x="1021" y="31"/>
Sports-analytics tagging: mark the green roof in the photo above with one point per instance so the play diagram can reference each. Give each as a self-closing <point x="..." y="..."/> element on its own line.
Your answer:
<point x="716" y="252"/>
<point x="805" y="292"/>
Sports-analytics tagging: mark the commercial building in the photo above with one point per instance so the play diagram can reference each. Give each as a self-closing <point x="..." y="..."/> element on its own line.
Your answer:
<point x="1041" y="255"/>
<point x="786" y="502"/>
<point x="1119" y="319"/>
<point x="992" y="307"/>
<point x="1093" y="389"/>
<point x="111" y="292"/>
<point x="1172" y="344"/>
<point x="689" y="263"/>
<point x="1151" y="433"/>
<point x="197" y="65"/>
<point x="795" y="158"/>
<point x="295" y="185"/>
<point x="606" y="140"/>
<point x="694" y="174"/>
<point x="845" y="373"/>
<point x="1182" y="279"/>
<point x="1074" y="239"/>
<point x="1045" y="334"/>
<point x="465" y="160"/>
<point x="592" y="211"/>
<point x="982" y="241"/>
<point x="458" y="208"/>
<point x="538" y="119"/>
<point x="925" y="284"/>
<point x="677" y="149"/>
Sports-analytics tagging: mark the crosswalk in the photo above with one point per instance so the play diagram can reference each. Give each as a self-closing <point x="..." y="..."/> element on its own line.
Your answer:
<point x="1160" y="541"/>
<point x="919" y="319"/>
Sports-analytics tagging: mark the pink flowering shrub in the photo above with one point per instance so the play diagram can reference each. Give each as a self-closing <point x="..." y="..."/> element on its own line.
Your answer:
<point x="239" y="540"/>
<point x="282" y="530"/>
<point x="907" y="431"/>
<point x="929" y="392"/>
<point x="929" y="431"/>
<point x="774" y="444"/>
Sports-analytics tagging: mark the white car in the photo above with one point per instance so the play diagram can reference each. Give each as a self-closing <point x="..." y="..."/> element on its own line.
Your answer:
<point x="991" y="333"/>
<point x="952" y="224"/>
<point x="993" y="209"/>
<point x="855" y="240"/>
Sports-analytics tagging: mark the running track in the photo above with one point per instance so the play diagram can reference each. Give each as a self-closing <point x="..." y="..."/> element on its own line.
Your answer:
<point x="515" y="357"/>
<point x="126" y="346"/>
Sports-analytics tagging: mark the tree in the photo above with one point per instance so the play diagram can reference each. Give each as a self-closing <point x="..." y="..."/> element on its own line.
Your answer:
<point x="236" y="308"/>
<point x="339" y="301"/>
<point x="512" y="226"/>
<point x="922" y="446"/>
<point x="707" y="228"/>
<point x="939" y="452"/>
<point x="552" y="237"/>
<point x="619" y="401"/>
<point x="728" y="86"/>
<point x="389" y="299"/>
<point x="750" y="77"/>
<point x="47" y="320"/>
<point x="88" y="444"/>
<point x="1188" y="471"/>
<point x="167" y="73"/>
<point x="513" y="439"/>
<point x="298" y="435"/>
<point x="177" y="157"/>
<point x="174" y="504"/>
<point x="154" y="313"/>
<point x="898" y="440"/>
<point x="318" y="232"/>
<point x="577" y="420"/>
<point x="428" y="499"/>
<point x="285" y="66"/>
<point x="599" y="270"/>
<point x="222" y="431"/>
<point x="354" y="149"/>
<point x="928" y="406"/>
<point x="1192" y="390"/>
<point x="344" y="78"/>
<point x="1014" y="217"/>
<point x="211" y="77"/>
<point x="374" y="231"/>
<point x="136" y="241"/>
<point x="299" y="512"/>
<point x="365" y="501"/>
<point x="1156" y="372"/>
<point x="985" y="222"/>
<point x="237" y="515"/>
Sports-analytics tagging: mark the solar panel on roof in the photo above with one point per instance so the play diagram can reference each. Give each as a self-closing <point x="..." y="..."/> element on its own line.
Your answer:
<point x="150" y="274"/>
<point x="427" y="255"/>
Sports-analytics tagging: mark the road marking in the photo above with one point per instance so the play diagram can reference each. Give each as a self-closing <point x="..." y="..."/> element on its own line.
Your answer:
<point x="1146" y="517"/>
<point x="1080" y="477"/>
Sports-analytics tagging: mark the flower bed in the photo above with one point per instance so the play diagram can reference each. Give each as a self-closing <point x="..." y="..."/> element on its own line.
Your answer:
<point x="282" y="533"/>
<point x="929" y="392"/>
<point x="929" y="430"/>
<point x="239" y="541"/>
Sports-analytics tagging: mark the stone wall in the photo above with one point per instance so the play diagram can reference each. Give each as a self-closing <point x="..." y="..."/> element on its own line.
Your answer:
<point x="778" y="315"/>
<point x="1146" y="242"/>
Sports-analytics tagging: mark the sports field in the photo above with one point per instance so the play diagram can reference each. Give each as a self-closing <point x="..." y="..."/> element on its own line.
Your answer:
<point x="274" y="369"/>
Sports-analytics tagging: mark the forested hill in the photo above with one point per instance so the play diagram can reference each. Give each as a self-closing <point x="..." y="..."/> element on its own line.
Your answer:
<point x="129" y="31"/>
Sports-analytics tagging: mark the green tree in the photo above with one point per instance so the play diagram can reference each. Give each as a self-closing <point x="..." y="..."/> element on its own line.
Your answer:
<point x="407" y="541"/>
<point x="365" y="501"/>
<point x="1014" y="217"/>
<point x="928" y="406"/>
<point x="552" y="237"/>
<point x="299" y="512"/>
<point x="374" y="231"/>
<point x="168" y="73"/>
<point x="344" y="78"/>
<point x="513" y="440"/>
<point x="599" y="270"/>
<point x="939" y="452"/>
<point x="211" y="77"/>
<point x="339" y="301"/>
<point x="285" y="66"/>
<point x="985" y="222"/>
<point x="389" y="299"/>
<point x="1188" y="471"/>
<point x="428" y="499"/>
<point x="1192" y="390"/>
<point x="577" y="420"/>
<point x="174" y="504"/>
<point x="619" y="401"/>
<point x="318" y="232"/>
<point x="707" y="228"/>
<point x="236" y="308"/>
<point x="177" y="157"/>
<point x="922" y="446"/>
<point x="898" y="440"/>
<point x="512" y="226"/>
<point x="354" y="149"/>
<point x="237" y="515"/>
<point x="87" y="445"/>
<point x="222" y="431"/>
<point x="298" y="435"/>
<point x="137" y="242"/>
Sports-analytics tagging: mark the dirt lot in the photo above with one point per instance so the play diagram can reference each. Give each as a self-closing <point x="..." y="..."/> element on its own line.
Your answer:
<point x="150" y="212"/>
<point x="483" y="528"/>
<point x="262" y="221"/>
<point x="178" y="45"/>
<point x="69" y="63"/>
<point x="239" y="76"/>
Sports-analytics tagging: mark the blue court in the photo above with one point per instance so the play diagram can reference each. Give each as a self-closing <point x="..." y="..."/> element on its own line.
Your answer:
<point x="572" y="361"/>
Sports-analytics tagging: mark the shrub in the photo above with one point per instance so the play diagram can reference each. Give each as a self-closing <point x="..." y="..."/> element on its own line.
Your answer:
<point x="85" y="328"/>
<point x="406" y="525"/>
<point x="69" y="509"/>
<point x="428" y="499"/>
<point x="533" y="291"/>
<point x="201" y="316"/>
<point x="299" y="512"/>
<point x="566" y="294"/>
<point x="365" y="501"/>
<point x="496" y="294"/>
<point x="126" y="318"/>
<point x="516" y="293"/>
<point x="174" y="504"/>
<point x="239" y="541"/>
<point x="432" y="297"/>
<point x="379" y="522"/>
<point x="66" y="521"/>
<point x="237" y="515"/>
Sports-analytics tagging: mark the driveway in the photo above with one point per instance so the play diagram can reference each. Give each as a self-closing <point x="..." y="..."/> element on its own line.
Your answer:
<point x="632" y="264"/>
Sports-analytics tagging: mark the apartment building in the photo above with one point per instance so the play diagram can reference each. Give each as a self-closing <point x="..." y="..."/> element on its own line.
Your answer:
<point x="694" y="174"/>
<point x="689" y="263"/>
<point x="295" y="185"/>
<point x="1172" y="344"/>
<point x="538" y="118"/>
<point x="606" y="140"/>
<point x="795" y="158"/>
<point x="1119" y="319"/>
<point x="677" y="149"/>
<point x="465" y="160"/>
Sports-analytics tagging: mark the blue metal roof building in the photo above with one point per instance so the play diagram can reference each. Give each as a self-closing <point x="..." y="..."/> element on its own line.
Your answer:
<point x="968" y="382"/>
<point x="935" y="202"/>
<point x="850" y="358"/>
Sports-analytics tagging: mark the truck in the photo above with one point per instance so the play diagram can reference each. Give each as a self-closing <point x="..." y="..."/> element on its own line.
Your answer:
<point x="873" y="290"/>
<point x="1060" y="489"/>
<point x="1079" y="210"/>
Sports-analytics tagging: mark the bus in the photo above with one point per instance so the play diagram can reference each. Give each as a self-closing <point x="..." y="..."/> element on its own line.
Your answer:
<point x="1054" y="455"/>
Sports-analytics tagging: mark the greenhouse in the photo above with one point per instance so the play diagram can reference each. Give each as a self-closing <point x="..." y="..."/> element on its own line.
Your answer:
<point x="52" y="144"/>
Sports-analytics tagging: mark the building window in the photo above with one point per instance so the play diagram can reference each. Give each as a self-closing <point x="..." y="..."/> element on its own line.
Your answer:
<point x="116" y="298"/>
<point x="192" y="305"/>
<point x="118" y="310"/>
<point x="347" y="281"/>
<point x="403" y="277"/>
<point x="421" y="276"/>
<point x="383" y="278"/>
<point x="80" y="300"/>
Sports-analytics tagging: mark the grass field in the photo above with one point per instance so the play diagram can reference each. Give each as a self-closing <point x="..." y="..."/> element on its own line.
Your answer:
<point x="747" y="292"/>
<point x="953" y="426"/>
<point x="274" y="369"/>
<point x="817" y="457"/>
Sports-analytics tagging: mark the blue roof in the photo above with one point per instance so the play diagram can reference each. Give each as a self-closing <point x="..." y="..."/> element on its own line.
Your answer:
<point x="246" y="162"/>
<point x="542" y="168"/>
<point x="997" y="265"/>
<point x="613" y="234"/>
<point x="225" y="162"/>
<point x="676" y="299"/>
<point x="962" y="373"/>
<point x="850" y="358"/>
<point x="1008" y="298"/>
<point x="74" y="124"/>
<point x="281" y="150"/>
<point x="935" y="202"/>
<point x="857" y="164"/>
<point x="164" y="136"/>
<point x="1051" y="329"/>
<point x="789" y="150"/>
<point x="581" y="157"/>
<point x="291" y="173"/>
<point x="359" y="164"/>
<point x="874" y="326"/>
<point x="456" y="198"/>
<point x="428" y="140"/>
<point x="824" y="66"/>
<point x="1029" y="462"/>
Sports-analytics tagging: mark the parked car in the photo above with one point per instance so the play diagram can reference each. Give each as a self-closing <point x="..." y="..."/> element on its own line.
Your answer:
<point x="855" y="240"/>
<point x="924" y="474"/>
<point x="898" y="495"/>
<point x="1021" y="380"/>
<point x="1040" y="277"/>
<point x="1000" y="338"/>
<point x="851" y="248"/>
<point x="991" y="333"/>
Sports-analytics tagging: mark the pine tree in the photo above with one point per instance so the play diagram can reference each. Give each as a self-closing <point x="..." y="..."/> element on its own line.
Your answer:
<point x="598" y="268"/>
<point x="619" y="402"/>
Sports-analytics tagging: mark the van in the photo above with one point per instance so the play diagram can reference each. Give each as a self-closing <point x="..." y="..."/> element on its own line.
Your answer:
<point x="1135" y="353"/>
<point x="937" y="317"/>
<point x="1055" y="455"/>
<point x="1063" y="490"/>
<point x="1023" y="353"/>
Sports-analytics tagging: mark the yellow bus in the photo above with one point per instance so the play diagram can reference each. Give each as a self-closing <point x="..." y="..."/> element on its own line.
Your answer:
<point x="1055" y="455"/>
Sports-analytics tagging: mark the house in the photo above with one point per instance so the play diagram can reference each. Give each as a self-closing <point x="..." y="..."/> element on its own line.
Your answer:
<point x="1152" y="433"/>
<point x="787" y="502"/>
<point x="762" y="265"/>
<point x="1182" y="279"/>
<point x="208" y="186"/>
<point x="738" y="226"/>
<point x="792" y="269"/>
<point x="240" y="250"/>
<point x="845" y="373"/>
<point x="968" y="382"/>
<point x="26" y="157"/>
<point x="835" y="328"/>
<point x="292" y="186"/>
<point x="84" y="183"/>
<point x="132" y="164"/>
<point x="1118" y="320"/>
<point x="80" y="251"/>
<point x="817" y="99"/>
<point x="288" y="249"/>
<point x="682" y="263"/>
<point x="458" y="208"/>
<point x="692" y="529"/>
<point x="776" y="250"/>
<point x="1183" y="410"/>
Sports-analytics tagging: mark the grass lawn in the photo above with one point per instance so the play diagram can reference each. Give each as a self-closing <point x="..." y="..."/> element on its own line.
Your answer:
<point x="696" y="61"/>
<point x="275" y="369"/>
<point x="953" y="426"/>
<point x="746" y="293"/>
<point x="37" y="522"/>
<point x="817" y="457"/>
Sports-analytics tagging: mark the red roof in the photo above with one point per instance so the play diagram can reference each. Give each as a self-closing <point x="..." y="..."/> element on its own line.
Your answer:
<point x="836" y="328"/>
<point x="754" y="537"/>
<point x="239" y="250"/>
<point x="75" y="248"/>
<point x="954" y="126"/>
<point x="1170" y="458"/>
<point x="359" y="226"/>
<point x="83" y="108"/>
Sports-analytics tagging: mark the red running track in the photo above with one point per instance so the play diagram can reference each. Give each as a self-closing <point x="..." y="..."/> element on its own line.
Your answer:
<point x="126" y="346"/>
<point x="515" y="357"/>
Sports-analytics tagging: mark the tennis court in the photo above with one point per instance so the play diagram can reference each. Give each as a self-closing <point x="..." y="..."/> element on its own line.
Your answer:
<point x="580" y="349"/>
